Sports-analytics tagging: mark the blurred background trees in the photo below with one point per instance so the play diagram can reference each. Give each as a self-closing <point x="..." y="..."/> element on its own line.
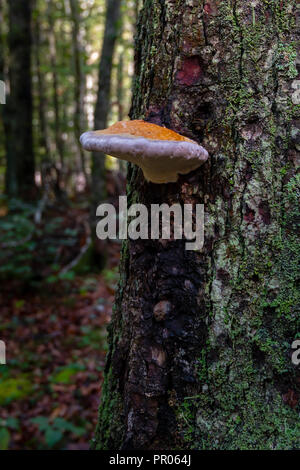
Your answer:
<point x="50" y="53"/>
<point x="20" y="174"/>
<point x="68" y="67"/>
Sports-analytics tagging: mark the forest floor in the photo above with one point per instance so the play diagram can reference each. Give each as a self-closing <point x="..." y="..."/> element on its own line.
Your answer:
<point x="55" y="335"/>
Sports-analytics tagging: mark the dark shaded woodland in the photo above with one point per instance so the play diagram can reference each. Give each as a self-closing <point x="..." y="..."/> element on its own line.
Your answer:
<point x="60" y="61"/>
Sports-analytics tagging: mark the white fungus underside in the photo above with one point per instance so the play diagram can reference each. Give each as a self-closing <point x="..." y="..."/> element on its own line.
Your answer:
<point x="160" y="160"/>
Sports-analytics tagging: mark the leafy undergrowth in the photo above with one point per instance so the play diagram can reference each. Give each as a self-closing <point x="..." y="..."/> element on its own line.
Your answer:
<point x="32" y="251"/>
<point x="54" y="326"/>
<point x="56" y="345"/>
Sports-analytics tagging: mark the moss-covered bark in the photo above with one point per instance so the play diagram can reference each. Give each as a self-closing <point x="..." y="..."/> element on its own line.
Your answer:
<point x="216" y="373"/>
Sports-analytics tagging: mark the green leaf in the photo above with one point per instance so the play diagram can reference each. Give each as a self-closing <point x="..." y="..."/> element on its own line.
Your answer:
<point x="42" y="422"/>
<point x="69" y="276"/>
<point x="14" y="389"/>
<point x="19" y="303"/>
<point x="4" y="439"/>
<point x="65" y="374"/>
<point x="12" y="423"/>
<point x="52" y="437"/>
<point x="63" y="425"/>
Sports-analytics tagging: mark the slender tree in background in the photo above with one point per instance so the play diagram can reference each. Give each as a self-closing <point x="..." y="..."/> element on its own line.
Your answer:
<point x="103" y="96"/>
<point x="80" y="85"/>
<point x="54" y="68"/>
<point x="4" y="140"/>
<point x="44" y="140"/>
<point x="98" y="190"/>
<point x="20" y="155"/>
<point x="63" y="87"/>
<point x="1" y="41"/>
<point x="137" y="7"/>
<point x="213" y="370"/>
<point x="120" y="86"/>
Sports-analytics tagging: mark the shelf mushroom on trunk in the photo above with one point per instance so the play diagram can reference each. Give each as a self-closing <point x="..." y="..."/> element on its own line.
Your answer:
<point x="161" y="153"/>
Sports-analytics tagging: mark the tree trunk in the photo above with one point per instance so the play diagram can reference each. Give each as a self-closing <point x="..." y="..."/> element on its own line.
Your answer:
<point x="98" y="190"/>
<point x="3" y="137"/>
<point x="103" y="97"/>
<point x="56" y="103"/>
<point x="20" y="165"/>
<point x="120" y="86"/>
<point x="1" y="41"/>
<point x="44" y="140"/>
<point x="80" y="85"/>
<point x="214" y="370"/>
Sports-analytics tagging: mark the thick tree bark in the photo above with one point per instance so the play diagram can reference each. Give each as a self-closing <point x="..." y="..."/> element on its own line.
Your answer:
<point x="213" y="371"/>
<point x="20" y="157"/>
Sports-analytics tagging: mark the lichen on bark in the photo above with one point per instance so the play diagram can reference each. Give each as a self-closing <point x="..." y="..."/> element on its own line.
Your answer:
<point x="214" y="371"/>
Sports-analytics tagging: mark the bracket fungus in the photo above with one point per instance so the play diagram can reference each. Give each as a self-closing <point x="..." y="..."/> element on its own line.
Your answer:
<point x="161" y="153"/>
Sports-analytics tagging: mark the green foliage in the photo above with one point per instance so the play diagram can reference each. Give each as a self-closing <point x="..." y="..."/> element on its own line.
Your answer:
<point x="5" y="427"/>
<point x="16" y="241"/>
<point x="4" y="438"/>
<point x="30" y="251"/>
<point x="12" y="389"/>
<point x="54" y="431"/>
<point x="95" y="338"/>
<point x="111" y="277"/>
<point x="66" y="375"/>
<point x="86" y="263"/>
<point x="68" y="276"/>
<point x="286" y="57"/>
<point x="90" y="284"/>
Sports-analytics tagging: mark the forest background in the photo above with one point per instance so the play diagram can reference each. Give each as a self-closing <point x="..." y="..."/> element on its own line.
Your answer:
<point x="67" y="66"/>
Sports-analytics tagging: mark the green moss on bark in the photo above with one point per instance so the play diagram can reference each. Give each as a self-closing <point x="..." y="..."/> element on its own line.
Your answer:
<point x="227" y="381"/>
